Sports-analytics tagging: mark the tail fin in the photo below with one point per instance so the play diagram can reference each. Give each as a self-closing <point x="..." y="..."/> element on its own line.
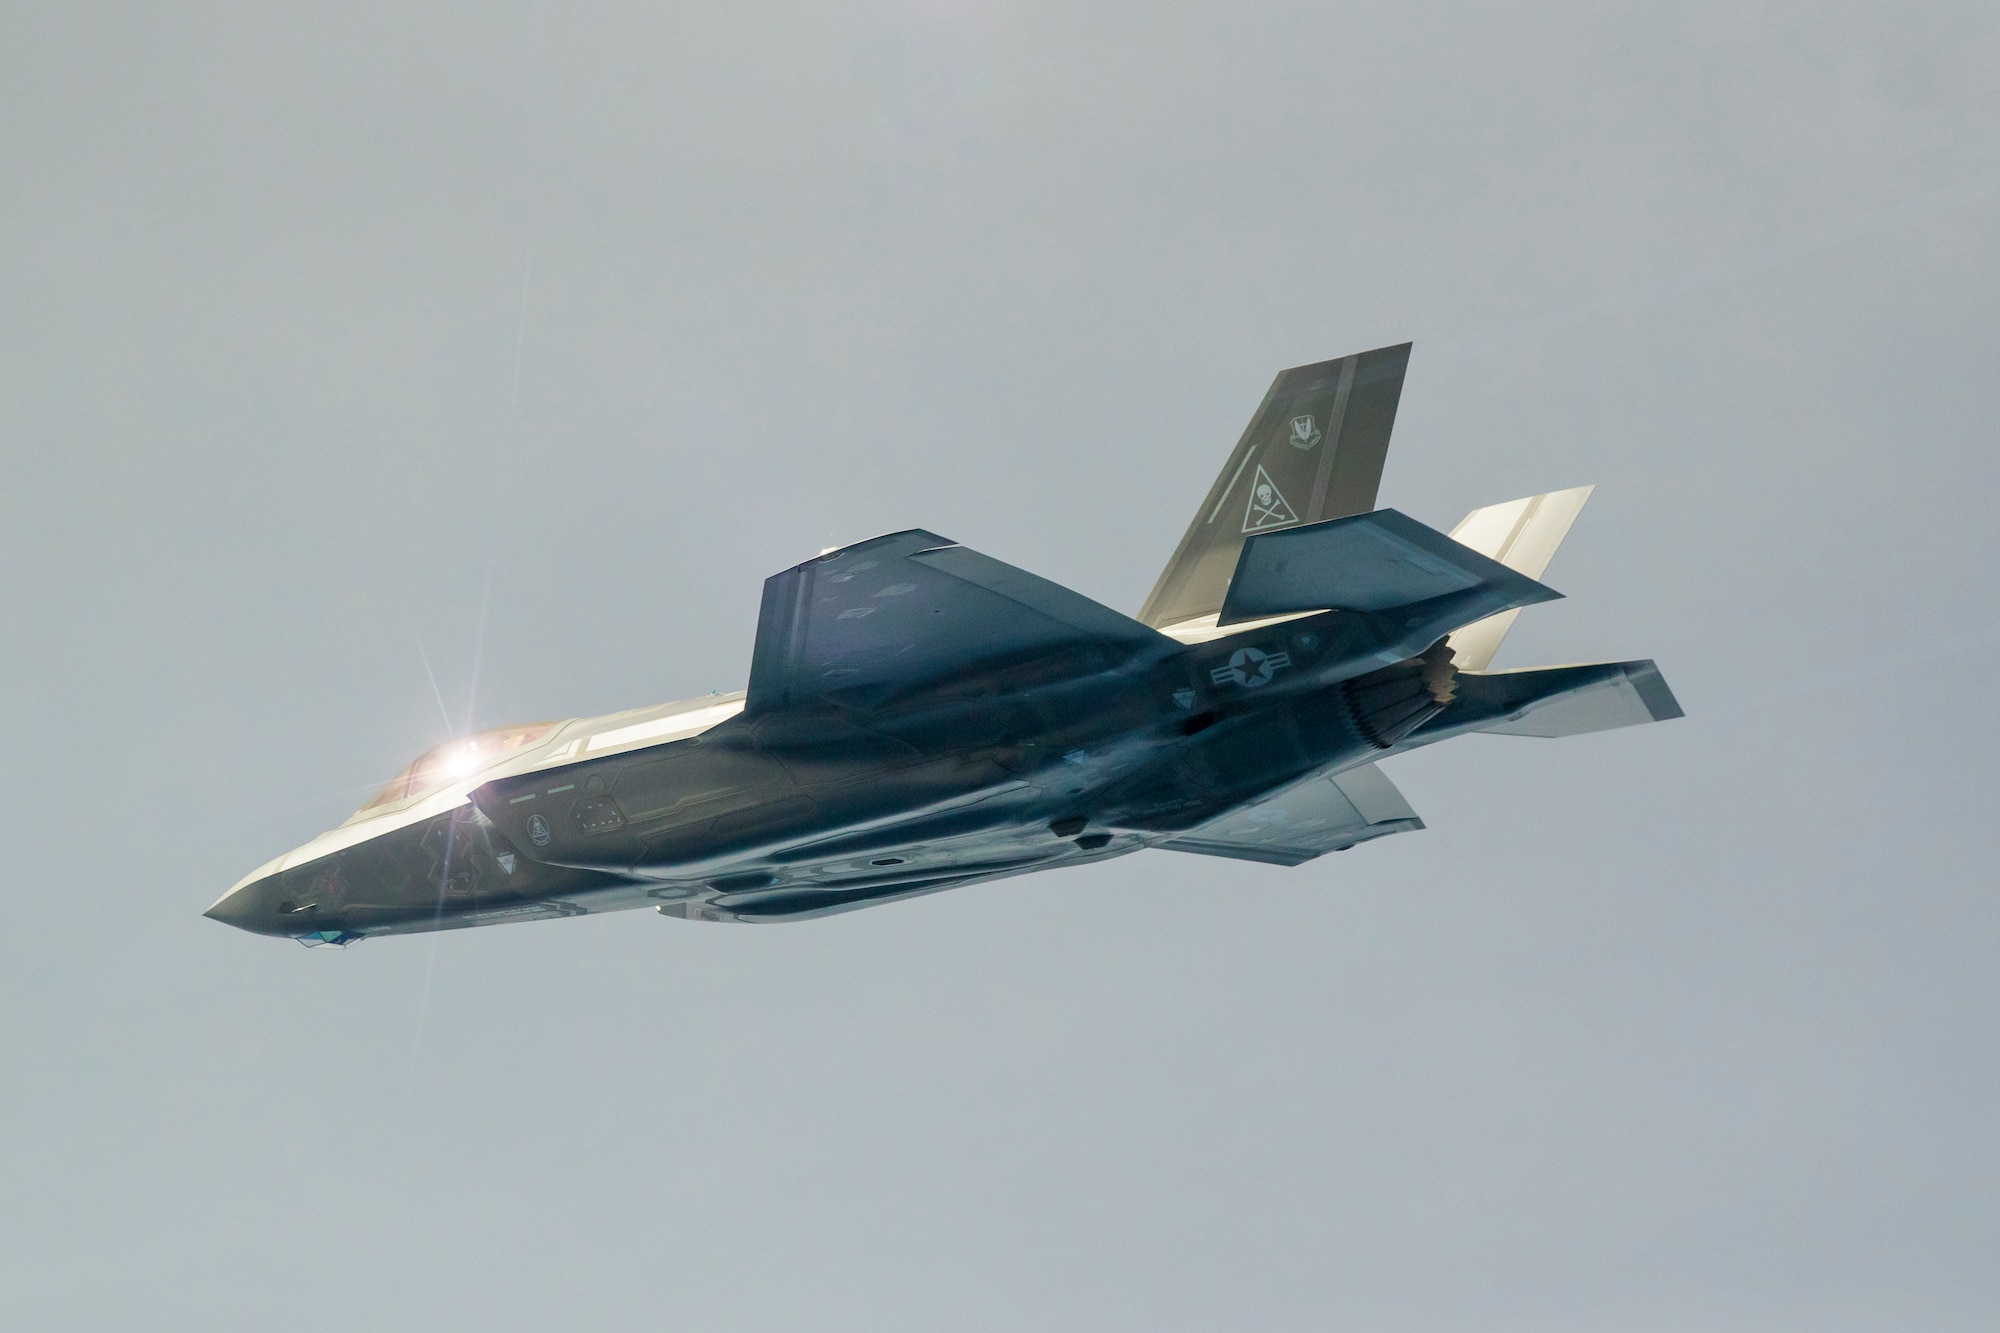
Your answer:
<point x="1313" y="451"/>
<point x="1522" y="535"/>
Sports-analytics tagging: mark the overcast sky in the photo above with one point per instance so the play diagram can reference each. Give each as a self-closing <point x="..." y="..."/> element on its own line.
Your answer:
<point x="347" y="345"/>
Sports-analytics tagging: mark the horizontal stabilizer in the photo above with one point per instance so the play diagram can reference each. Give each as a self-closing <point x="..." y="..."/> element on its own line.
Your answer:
<point x="1370" y="562"/>
<point x="1309" y="818"/>
<point x="1635" y="695"/>
<point x="1522" y="535"/>
<point x="1554" y="701"/>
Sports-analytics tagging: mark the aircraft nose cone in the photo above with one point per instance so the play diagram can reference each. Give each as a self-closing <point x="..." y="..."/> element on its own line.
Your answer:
<point x="235" y="909"/>
<point x="267" y="907"/>
<point x="245" y="909"/>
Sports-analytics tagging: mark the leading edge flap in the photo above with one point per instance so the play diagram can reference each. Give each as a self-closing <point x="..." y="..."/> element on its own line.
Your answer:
<point x="913" y="610"/>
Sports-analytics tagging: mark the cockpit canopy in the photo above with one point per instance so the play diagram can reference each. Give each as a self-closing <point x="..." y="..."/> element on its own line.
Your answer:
<point x="456" y="758"/>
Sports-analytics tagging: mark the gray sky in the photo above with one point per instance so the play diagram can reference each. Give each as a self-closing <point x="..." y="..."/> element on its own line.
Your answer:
<point x="531" y="340"/>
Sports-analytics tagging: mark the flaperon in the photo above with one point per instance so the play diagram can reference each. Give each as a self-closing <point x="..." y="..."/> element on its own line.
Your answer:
<point x="920" y="716"/>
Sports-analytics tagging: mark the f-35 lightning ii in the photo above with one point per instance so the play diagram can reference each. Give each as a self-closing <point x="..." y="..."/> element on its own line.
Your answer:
<point x="921" y="717"/>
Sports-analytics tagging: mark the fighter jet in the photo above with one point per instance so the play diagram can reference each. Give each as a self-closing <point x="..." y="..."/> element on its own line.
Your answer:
<point x="923" y="717"/>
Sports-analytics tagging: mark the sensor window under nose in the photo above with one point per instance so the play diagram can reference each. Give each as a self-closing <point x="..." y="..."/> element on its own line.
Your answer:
<point x="338" y="939"/>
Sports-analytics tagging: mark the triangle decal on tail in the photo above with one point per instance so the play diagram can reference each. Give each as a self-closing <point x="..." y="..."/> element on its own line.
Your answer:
<point x="1268" y="507"/>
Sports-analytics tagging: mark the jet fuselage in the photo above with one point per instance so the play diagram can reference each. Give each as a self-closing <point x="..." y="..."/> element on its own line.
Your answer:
<point x="1059" y="759"/>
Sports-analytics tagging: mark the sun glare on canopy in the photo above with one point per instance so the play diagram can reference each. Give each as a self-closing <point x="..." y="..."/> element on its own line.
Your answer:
<point x="454" y="759"/>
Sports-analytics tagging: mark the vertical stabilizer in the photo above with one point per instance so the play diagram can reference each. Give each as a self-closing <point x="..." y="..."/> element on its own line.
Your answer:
<point x="1522" y="535"/>
<point x="1313" y="451"/>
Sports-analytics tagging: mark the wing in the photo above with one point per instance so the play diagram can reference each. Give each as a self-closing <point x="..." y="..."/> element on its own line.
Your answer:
<point x="1313" y="451"/>
<point x="913" y="611"/>
<point x="1311" y="817"/>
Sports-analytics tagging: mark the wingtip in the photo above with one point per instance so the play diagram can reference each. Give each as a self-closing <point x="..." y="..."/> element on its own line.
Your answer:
<point x="1654" y="691"/>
